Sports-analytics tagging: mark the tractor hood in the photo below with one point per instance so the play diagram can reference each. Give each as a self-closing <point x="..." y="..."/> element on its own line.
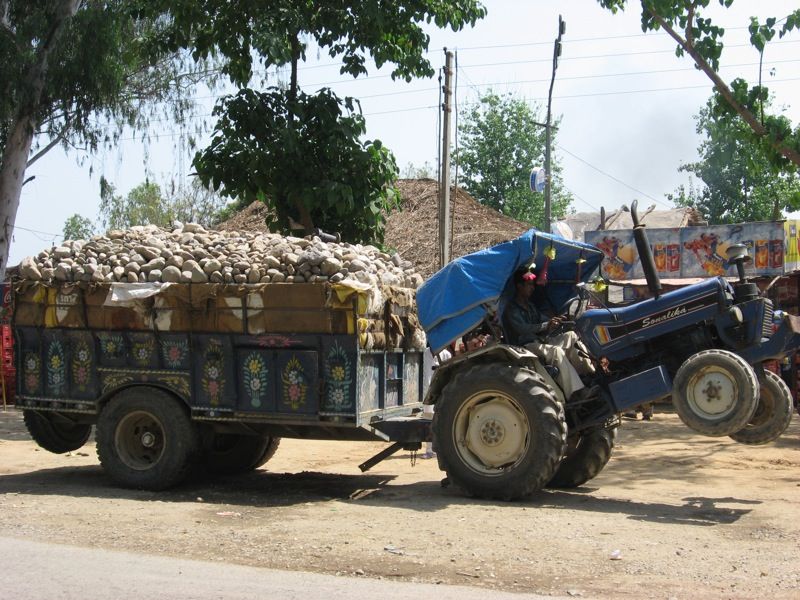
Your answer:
<point x="456" y="298"/>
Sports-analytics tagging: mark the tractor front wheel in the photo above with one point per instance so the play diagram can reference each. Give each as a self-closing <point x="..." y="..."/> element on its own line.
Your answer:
<point x="773" y="413"/>
<point x="715" y="392"/>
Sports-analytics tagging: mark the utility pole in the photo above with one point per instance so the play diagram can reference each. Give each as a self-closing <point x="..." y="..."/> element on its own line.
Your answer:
<point x="548" y="207"/>
<point x="444" y="182"/>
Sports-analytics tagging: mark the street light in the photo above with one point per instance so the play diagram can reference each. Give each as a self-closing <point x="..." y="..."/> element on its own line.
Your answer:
<point x="562" y="29"/>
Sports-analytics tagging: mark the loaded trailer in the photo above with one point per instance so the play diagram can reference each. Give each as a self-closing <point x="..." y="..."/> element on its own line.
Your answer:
<point x="180" y="375"/>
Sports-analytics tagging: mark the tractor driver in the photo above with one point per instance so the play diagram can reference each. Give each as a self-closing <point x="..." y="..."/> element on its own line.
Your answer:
<point x="525" y="325"/>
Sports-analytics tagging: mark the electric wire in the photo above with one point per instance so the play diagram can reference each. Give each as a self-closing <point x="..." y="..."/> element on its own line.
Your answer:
<point x="618" y="180"/>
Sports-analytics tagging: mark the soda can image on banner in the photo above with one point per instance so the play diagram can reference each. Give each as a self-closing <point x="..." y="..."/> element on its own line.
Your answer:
<point x="673" y="258"/>
<point x="762" y="254"/>
<point x="660" y="257"/>
<point x="776" y="254"/>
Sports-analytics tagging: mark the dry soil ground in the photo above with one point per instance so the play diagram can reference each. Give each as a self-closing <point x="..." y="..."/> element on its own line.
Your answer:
<point x="673" y="515"/>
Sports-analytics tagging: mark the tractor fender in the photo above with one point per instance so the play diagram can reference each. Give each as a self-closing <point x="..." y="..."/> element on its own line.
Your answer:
<point x="512" y="355"/>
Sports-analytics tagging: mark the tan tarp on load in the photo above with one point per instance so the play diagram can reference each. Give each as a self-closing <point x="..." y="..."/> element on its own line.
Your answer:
<point x="383" y="317"/>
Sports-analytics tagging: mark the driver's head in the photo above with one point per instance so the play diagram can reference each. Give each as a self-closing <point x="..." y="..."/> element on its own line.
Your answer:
<point x="525" y="281"/>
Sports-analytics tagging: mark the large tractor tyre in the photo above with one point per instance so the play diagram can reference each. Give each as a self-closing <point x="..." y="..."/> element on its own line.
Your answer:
<point x="715" y="392"/>
<point x="145" y="439"/>
<point x="500" y="431"/>
<point x="587" y="454"/>
<point x="232" y="454"/>
<point x="54" y="434"/>
<point x="773" y="413"/>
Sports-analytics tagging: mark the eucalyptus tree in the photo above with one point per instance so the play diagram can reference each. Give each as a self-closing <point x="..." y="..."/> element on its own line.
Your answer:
<point x="76" y="73"/>
<point x="686" y="22"/>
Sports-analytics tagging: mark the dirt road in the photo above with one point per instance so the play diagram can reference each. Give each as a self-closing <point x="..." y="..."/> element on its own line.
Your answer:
<point x="673" y="515"/>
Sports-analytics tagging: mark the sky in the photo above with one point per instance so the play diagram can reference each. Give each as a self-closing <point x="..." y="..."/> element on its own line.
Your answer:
<point x="626" y="102"/>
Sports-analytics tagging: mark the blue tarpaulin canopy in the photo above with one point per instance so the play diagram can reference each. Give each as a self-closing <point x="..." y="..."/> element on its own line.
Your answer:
<point x="455" y="299"/>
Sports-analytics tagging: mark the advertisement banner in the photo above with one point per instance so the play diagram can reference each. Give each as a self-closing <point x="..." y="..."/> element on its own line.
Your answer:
<point x="691" y="252"/>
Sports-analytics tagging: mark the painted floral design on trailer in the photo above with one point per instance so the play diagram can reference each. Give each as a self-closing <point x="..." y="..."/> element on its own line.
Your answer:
<point x="56" y="368"/>
<point x="112" y="345"/>
<point x="142" y="349"/>
<point x="295" y="384"/>
<point x="81" y="365"/>
<point x="338" y="373"/>
<point x="174" y="352"/>
<point x="33" y="371"/>
<point x="255" y="378"/>
<point x="213" y="381"/>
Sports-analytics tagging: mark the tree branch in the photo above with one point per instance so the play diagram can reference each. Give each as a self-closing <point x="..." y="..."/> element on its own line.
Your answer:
<point x="748" y="117"/>
<point x="5" y="17"/>
<point x="53" y="143"/>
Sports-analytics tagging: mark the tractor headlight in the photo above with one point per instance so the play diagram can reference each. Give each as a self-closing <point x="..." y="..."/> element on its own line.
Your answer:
<point x="736" y="314"/>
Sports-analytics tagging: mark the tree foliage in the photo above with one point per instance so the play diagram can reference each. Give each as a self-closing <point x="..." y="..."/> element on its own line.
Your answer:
<point x="282" y="31"/>
<point x="147" y="204"/>
<point x="499" y="143"/>
<point x="336" y="182"/>
<point x="740" y="182"/>
<point x="702" y="40"/>
<point x="78" y="227"/>
<point x="76" y="73"/>
<point x="318" y="162"/>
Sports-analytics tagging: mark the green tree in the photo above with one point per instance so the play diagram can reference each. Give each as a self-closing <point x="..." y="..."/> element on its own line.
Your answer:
<point x="195" y="203"/>
<point x="76" y="72"/>
<point x="78" y="227"/>
<point x="741" y="183"/>
<point x="499" y="142"/>
<point x="426" y="171"/>
<point x="318" y="161"/>
<point x="147" y="204"/>
<point x="144" y="205"/>
<point x="333" y="194"/>
<point x="698" y="37"/>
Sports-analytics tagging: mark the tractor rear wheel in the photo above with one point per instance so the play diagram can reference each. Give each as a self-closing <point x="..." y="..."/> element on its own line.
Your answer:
<point x="715" y="392"/>
<point x="500" y="431"/>
<point x="54" y="433"/>
<point x="773" y="413"/>
<point x="587" y="454"/>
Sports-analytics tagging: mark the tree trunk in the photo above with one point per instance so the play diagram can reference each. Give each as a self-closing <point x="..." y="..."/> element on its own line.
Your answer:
<point x="12" y="172"/>
<point x="23" y="126"/>
<point x="302" y="211"/>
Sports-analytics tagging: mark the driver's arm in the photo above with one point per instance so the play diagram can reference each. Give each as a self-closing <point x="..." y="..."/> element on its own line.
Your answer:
<point x="521" y="327"/>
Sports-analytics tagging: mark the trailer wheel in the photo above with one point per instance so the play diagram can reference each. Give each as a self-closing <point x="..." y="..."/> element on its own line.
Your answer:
<point x="773" y="413"/>
<point x="500" y="431"/>
<point x="54" y="434"/>
<point x="715" y="392"/>
<point x="145" y="439"/>
<point x="231" y="454"/>
<point x="587" y="455"/>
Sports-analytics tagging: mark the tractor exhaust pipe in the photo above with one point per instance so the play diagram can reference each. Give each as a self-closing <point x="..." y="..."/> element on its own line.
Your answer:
<point x="645" y="254"/>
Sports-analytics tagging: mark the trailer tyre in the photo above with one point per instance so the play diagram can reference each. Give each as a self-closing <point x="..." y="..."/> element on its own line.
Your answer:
<point x="715" y="392"/>
<point x="500" y="431"/>
<point x="773" y="413"/>
<point x="145" y="439"/>
<point x="231" y="454"/>
<point x="55" y="435"/>
<point x="587" y="454"/>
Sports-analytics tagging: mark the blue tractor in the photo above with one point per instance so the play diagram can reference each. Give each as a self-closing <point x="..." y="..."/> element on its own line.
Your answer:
<point x="503" y="427"/>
